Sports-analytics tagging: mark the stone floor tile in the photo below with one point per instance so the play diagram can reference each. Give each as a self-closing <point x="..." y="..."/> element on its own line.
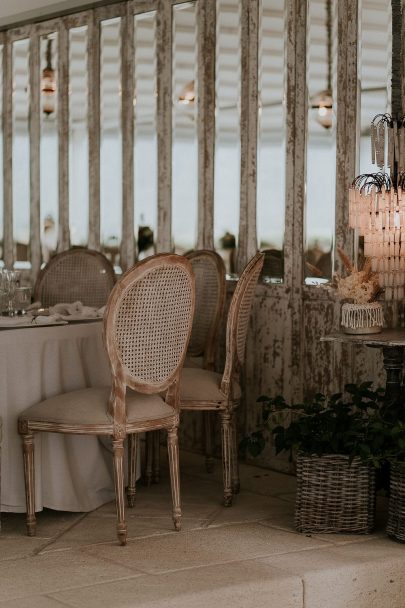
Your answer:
<point x="14" y="547"/>
<point x="37" y="601"/>
<point x="253" y="507"/>
<point x="358" y="575"/>
<point x="97" y="529"/>
<point x="253" y="479"/>
<point x="203" y="547"/>
<point x="52" y="572"/>
<point x="241" y="584"/>
<point x="50" y="523"/>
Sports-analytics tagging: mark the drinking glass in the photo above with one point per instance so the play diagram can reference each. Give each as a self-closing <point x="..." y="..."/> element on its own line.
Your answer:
<point x="8" y="282"/>
<point x="22" y="299"/>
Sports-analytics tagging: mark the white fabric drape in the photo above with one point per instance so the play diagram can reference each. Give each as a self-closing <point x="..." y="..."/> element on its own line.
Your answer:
<point x="72" y="473"/>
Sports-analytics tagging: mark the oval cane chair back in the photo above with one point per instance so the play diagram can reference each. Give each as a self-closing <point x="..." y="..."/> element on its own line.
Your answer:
<point x="238" y="319"/>
<point x="77" y="274"/>
<point x="148" y="320"/>
<point x="210" y="286"/>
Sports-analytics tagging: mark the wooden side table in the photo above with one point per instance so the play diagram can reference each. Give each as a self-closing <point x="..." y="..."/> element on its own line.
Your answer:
<point x="392" y="343"/>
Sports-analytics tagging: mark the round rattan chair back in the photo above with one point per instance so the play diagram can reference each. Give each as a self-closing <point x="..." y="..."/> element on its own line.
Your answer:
<point x="148" y="322"/>
<point x="77" y="274"/>
<point x="210" y="285"/>
<point x="238" y="317"/>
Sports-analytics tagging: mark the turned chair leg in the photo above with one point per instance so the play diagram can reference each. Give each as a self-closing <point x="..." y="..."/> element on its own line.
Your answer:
<point x="118" y="451"/>
<point x="149" y="458"/>
<point x="209" y="447"/>
<point x="173" y="454"/>
<point x="226" y="436"/>
<point x="133" y="442"/>
<point x="156" y="457"/>
<point x="235" y="462"/>
<point x="29" y="475"/>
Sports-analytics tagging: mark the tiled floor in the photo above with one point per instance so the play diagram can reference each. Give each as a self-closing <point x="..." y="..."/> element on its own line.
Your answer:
<point x="244" y="556"/>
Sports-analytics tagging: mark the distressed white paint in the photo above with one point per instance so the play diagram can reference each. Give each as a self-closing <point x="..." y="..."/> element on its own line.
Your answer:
<point x="35" y="154"/>
<point x="206" y="41"/>
<point x="127" y="117"/>
<point x="248" y="129"/>
<point x="164" y="123"/>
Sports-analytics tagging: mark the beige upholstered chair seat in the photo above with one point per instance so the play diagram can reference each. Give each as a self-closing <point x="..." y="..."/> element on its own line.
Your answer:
<point x="89" y="406"/>
<point x="203" y="385"/>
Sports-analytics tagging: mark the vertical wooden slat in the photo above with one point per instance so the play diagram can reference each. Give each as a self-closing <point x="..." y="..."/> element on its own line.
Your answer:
<point x="8" y="251"/>
<point x="93" y="57"/>
<point x="63" y="136"/>
<point x="206" y="41"/>
<point x="164" y="123"/>
<point x="127" y="117"/>
<point x="34" y="135"/>
<point x="346" y="120"/>
<point x="248" y="125"/>
<point x="296" y="121"/>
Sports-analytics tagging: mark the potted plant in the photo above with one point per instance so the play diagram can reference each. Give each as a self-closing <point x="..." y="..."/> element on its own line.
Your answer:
<point x="361" y="313"/>
<point x="338" y="444"/>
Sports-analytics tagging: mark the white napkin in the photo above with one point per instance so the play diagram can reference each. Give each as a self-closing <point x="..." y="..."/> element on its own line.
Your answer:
<point x="76" y="310"/>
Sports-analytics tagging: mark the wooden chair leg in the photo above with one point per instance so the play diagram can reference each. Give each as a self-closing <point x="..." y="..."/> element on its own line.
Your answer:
<point x="235" y="462"/>
<point x="149" y="457"/>
<point x="173" y="454"/>
<point x="133" y="442"/>
<point x="156" y="457"/>
<point x="29" y="475"/>
<point x="118" y="451"/>
<point x="209" y="447"/>
<point x="226" y="436"/>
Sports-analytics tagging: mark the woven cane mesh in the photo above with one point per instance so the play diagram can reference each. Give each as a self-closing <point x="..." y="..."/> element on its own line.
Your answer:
<point x="76" y="275"/>
<point x="207" y="294"/>
<point x="334" y="495"/>
<point x="396" y="508"/>
<point x="243" y="296"/>
<point x="152" y="324"/>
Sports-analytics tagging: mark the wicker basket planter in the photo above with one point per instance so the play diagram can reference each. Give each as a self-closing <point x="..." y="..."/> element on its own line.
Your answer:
<point x="396" y="506"/>
<point x="334" y="495"/>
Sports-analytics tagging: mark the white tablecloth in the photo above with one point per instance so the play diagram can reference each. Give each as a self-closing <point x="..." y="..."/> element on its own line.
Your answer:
<point x="72" y="473"/>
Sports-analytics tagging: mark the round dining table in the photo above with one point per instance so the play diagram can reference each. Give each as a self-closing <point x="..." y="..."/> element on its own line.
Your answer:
<point x="72" y="472"/>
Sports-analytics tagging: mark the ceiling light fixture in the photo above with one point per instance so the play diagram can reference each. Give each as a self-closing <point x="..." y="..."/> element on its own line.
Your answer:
<point x="187" y="95"/>
<point x="48" y="82"/>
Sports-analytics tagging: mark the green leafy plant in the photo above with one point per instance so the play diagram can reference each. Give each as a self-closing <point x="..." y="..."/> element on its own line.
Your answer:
<point x="348" y="423"/>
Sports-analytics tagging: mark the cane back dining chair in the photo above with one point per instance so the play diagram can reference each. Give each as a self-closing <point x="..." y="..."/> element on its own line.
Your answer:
<point x="205" y="390"/>
<point x="76" y="274"/>
<point x="210" y="287"/>
<point x="147" y="325"/>
<point x="210" y="291"/>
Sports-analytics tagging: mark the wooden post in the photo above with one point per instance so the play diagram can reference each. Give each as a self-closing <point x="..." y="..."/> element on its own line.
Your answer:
<point x="127" y="121"/>
<point x="248" y="124"/>
<point x="164" y="123"/>
<point x="206" y="41"/>
<point x="8" y="244"/>
<point x="63" y="136"/>
<point x="35" y="155"/>
<point x="93" y="57"/>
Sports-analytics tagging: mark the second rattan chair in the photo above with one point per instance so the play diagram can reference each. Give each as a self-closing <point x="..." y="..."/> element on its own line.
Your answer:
<point x="210" y="287"/>
<point x="147" y="325"/>
<point x="205" y="390"/>
<point x="76" y="274"/>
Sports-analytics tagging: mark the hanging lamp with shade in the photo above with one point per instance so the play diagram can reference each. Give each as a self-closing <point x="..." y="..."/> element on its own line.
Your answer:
<point x="48" y="86"/>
